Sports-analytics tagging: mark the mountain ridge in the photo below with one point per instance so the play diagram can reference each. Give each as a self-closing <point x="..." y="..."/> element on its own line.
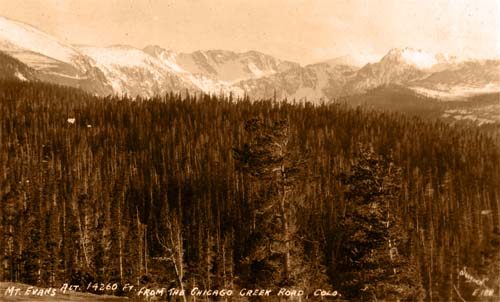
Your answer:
<point x="123" y="69"/>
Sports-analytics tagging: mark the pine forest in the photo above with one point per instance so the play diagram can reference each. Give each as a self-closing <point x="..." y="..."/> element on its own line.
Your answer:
<point x="225" y="198"/>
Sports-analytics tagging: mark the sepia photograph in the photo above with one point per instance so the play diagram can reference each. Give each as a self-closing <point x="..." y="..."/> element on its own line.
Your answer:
<point x="250" y="150"/>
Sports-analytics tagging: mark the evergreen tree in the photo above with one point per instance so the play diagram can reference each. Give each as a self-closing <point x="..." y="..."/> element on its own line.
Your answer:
<point x="374" y="263"/>
<point x="274" y="252"/>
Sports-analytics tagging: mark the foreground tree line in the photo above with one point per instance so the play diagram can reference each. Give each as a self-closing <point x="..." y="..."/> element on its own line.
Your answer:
<point x="201" y="191"/>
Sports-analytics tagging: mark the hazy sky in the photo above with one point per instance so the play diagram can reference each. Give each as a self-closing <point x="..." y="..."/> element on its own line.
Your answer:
<point x="305" y="31"/>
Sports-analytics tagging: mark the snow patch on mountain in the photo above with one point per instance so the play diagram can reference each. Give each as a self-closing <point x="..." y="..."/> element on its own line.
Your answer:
<point x="169" y="59"/>
<point x="20" y="76"/>
<point x="257" y="72"/>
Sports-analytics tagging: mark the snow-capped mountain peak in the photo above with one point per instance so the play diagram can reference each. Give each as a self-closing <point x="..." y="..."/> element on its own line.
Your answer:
<point x="416" y="58"/>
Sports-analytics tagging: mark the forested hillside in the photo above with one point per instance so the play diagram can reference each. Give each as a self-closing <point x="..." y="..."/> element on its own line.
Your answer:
<point x="186" y="191"/>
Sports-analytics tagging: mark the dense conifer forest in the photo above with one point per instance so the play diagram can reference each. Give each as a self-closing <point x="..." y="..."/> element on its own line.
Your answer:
<point x="214" y="193"/>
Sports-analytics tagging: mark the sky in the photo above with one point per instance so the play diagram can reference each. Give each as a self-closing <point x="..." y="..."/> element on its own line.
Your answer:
<point x="304" y="31"/>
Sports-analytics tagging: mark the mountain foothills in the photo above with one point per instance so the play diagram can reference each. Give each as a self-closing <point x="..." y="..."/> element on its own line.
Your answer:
<point x="125" y="70"/>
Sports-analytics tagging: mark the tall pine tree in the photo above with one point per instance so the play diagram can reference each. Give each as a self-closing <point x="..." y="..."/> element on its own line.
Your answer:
<point x="373" y="261"/>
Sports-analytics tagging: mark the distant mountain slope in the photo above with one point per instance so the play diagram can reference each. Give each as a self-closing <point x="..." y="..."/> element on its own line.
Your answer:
<point x="215" y="71"/>
<point x="312" y="82"/>
<point x="358" y="61"/>
<point x="27" y="43"/>
<point x="397" y="67"/>
<point x="392" y="97"/>
<point x="133" y="72"/>
<point x="11" y="68"/>
<point x="54" y="60"/>
<point x="479" y="110"/>
<point x="176" y="62"/>
<point x="462" y="80"/>
<point x="223" y="65"/>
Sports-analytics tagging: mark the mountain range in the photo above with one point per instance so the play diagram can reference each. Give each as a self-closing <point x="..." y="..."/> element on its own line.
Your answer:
<point x="28" y="53"/>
